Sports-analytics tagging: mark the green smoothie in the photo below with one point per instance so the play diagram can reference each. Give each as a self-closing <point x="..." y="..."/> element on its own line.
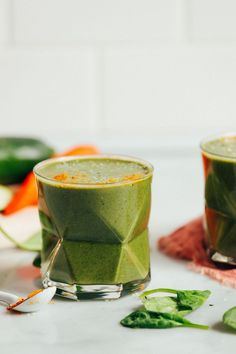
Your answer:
<point x="94" y="213"/>
<point x="219" y="158"/>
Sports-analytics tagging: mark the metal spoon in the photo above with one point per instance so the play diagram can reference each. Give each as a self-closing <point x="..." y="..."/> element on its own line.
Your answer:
<point x="33" y="302"/>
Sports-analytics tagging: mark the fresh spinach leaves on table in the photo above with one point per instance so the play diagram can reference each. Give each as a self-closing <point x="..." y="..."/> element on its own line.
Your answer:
<point x="166" y="311"/>
<point x="161" y="304"/>
<point x="185" y="301"/>
<point x="229" y="318"/>
<point x="147" y="319"/>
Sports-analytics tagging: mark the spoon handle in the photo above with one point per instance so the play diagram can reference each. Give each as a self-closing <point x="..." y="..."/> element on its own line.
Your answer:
<point x="8" y="298"/>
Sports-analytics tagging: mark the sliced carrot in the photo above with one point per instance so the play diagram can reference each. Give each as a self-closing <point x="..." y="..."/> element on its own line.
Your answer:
<point x="25" y="196"/>
<point x="27" y="193"/>
<point x="80" y="150"/>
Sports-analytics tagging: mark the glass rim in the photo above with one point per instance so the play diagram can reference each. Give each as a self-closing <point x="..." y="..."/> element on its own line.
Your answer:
<point x="210" y="138"/>
<point x="54" y="182"/>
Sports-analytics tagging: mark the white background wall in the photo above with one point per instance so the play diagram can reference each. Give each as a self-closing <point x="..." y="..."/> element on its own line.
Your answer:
<point x="150" y="72"/>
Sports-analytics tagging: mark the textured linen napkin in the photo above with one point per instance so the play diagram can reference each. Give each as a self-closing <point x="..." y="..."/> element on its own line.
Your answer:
<point x="187" y="243"/>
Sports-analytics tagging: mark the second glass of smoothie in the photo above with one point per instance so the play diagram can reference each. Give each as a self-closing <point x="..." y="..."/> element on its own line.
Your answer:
<point x="219" y="159"/>
<point x="94" y="213"/>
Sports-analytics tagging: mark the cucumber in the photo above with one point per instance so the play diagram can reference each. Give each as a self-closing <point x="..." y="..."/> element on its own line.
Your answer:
<point x="18" y="156"/>
<point x="5" y="196"/>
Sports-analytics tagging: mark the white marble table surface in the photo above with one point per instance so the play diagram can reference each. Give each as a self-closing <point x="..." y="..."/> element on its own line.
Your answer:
<point x="93" y="327"/>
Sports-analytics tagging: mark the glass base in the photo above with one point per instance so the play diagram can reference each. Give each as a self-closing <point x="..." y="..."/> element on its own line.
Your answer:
<point x="96" y="291"/>
<point x="218" y="257"/>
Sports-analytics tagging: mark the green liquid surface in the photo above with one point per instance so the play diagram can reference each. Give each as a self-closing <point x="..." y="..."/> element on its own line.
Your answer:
<point x="93" y="234"/>
<point x="94" y="171"/>
<point x="224" y="147"/>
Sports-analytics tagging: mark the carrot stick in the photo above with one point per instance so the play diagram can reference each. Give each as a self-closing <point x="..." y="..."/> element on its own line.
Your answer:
<point x="27" y="194"/>
<point x="80" y="150"/>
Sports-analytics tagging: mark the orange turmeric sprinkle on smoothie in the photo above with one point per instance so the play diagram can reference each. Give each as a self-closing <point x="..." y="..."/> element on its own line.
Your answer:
<point x="61" y="177"/>
<point x="98" y="171"/>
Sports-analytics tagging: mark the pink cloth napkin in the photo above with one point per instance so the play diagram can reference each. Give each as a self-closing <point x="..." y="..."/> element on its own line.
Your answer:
<point x="187" y="243"/>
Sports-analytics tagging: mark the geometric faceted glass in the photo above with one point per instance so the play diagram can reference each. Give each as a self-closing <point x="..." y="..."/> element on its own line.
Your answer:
<point x="220" y="199"/>
<point x="95" y="236"/>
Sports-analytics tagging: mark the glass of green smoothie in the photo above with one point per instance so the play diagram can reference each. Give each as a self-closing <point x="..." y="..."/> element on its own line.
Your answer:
<point x="219" y="161"/>
<point x="94" y="213"/>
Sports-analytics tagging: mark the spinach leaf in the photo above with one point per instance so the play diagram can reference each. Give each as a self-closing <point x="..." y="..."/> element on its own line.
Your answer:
<point x="161" y="304"/>
<point x="192" y="299"/>
<point x="33" y="243"/>
<point x="168" y="304"/>
<point x="146" y="319"/>
<point x="229" y="318"/>
<point x="185" y="301"/>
